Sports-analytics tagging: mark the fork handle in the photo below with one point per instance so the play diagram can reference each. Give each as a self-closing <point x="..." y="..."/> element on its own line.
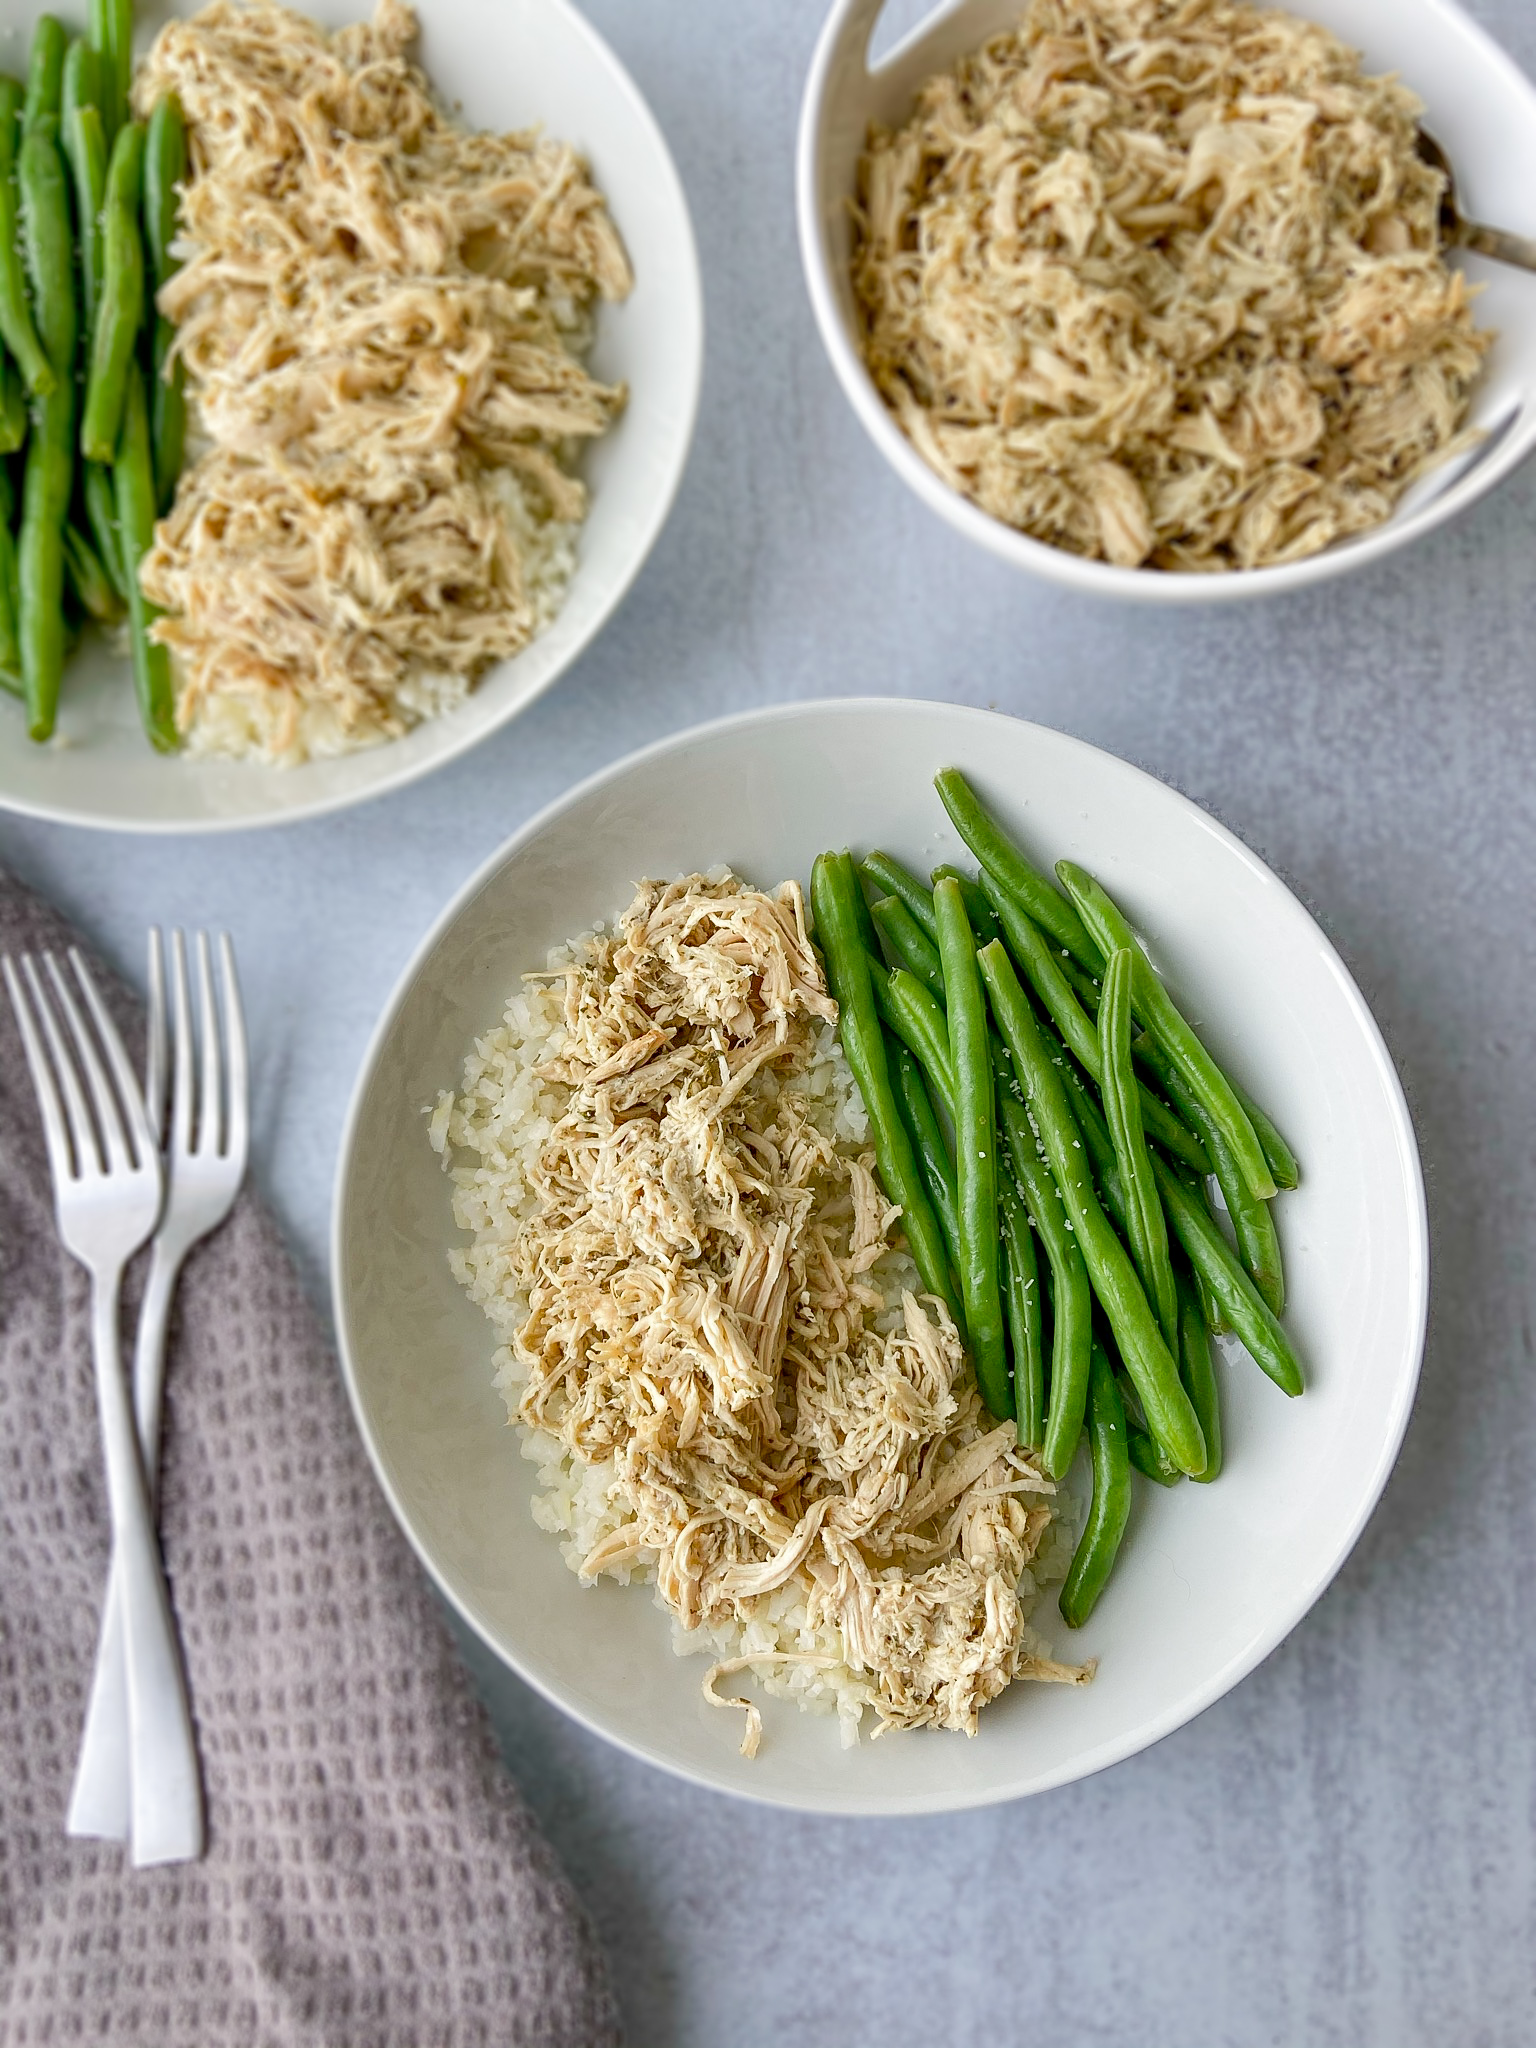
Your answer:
<point x="167" y="1795"/>
<point x="101" y="1802"/>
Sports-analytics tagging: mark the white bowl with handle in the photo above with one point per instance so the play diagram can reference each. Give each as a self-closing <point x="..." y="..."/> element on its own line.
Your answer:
<point x="518" y="64"/>
<point x="1210" y="1577"/>
<point x="1478" y="104"/>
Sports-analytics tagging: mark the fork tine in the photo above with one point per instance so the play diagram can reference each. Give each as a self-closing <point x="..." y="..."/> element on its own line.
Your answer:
<point x="55" y="1132"/>
<point x="181" y="1047"/>
<point x="155" y="1064"/>
<point x="143" y="1139"/>
<point x="210" y="1108"/>
<point x="238" y="1142"/>
<point x="83" y="1137"/>
<point x="105" y="1108"/>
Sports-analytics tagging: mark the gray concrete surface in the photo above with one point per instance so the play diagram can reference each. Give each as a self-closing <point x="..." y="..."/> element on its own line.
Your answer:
<point x="1338" y="1855"/>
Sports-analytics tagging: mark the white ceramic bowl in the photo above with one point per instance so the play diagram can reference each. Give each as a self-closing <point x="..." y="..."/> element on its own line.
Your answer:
<point x="1210" y="1578"/>
<point x="1479" y="105"/>
<point x="517" y="64"/>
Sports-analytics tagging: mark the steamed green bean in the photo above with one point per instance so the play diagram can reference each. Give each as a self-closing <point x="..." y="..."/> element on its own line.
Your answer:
<point x="1253" y="1222"/>
<point x="927" y="1135"/>
<point x="994" y="850"/>
<point x="1021" y="1304"/>
<point x="983" y="917"/>
<point x="834" y="890"/>
<point x="1110" y="1507"/>
<point x="1168" y="1026"/>
<point x="975" y="1147"/>
<point x="1071" y="1295"/>
<point x="906" y="944"/>
<point x="1122" y="1111"/>
<point x="1153" y="1369"/>
<point x="1197" y="1369"/>
<point x="50" y="465"/>
<point x="120" y="314"/>
<point x="17" y="326"/>
<point x="888" y="877"/>
<point x="1240" y="1302"/>
<point x="1042" y="968"/>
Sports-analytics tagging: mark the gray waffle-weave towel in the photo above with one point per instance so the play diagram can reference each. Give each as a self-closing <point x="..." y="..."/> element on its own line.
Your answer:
<point x="372" y="1878"/>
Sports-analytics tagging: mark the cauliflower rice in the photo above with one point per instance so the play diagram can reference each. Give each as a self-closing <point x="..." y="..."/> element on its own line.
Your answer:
<point x="898" y="1571"/>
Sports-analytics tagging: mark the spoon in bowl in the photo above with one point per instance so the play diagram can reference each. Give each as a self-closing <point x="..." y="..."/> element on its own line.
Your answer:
<point x="1456" y="231"/>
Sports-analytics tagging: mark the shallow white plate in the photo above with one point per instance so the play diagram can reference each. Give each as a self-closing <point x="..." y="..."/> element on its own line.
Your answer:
<point x="1210" y="1579"/>
<point x="1478" y="103"/>
<point x="517" y="64"/>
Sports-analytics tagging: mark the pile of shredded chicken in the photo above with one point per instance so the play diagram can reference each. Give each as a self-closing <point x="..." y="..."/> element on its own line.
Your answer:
<point x="380" y="314"/>
<point x="1159" y="282"/>
<point x="702" y="1314"/>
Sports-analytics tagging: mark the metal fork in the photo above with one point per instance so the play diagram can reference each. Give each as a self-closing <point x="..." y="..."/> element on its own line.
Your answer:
<point x="107" y="1187"/>
<point x="206" y="1147"/>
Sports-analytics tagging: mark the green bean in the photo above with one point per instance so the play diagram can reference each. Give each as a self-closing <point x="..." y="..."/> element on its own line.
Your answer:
<point x="994" y="850"/>
<point x="120" y="46"/>
<point x="85" y="146"/>
<point x="889" y="878"/>
<point x="975" y="1147"/>
<point x="101" y="512"/>
<point x="1110" y="1507"/>
<point x="1086" y="984"/>
<point x="906" y="944"/>
<point x="1021" y="1304"/>
<point x="906" y="1008"/>
<point x="10" y="644"/>
<point x="165" y="167"/>
<point x="1122" y="1111"/>
<point x="133" y="485"/>
<point x="1235" y="1294"/>
<point x="16" y="323"/>
<point x="1151" y="1365"/>
<point x="1282" y="1160"/>
<point x="81" y="86"/>
<point x="1100" y="1146"/>
<point x="45" y="71"/>
<point x="1042" y="968"/>
<point x="1162" y="1018"/>
<point x="48" y="244"/>
<point x="108" y="76"/>
<point x="40" y="564"/>
<point x="927" y="1136"/>
<point x="1148" y="1455"/>
<point x="13" y="408"/>
<point x="1253" y="1221"/>
<point x="983" y="918"/>
<point x="88" y="579"/>
<point x="50" y="467"/>
<point x="1198" y="1373"/>
<point x="834" y="889"/>
<point x="121" y="312"/>
<point x="1071" y="1295"/>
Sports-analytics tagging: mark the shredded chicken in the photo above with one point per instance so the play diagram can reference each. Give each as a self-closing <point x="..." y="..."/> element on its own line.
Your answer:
<point x="382" y="318"/>
<point x="705" y="1323"/>
<point x="1159" y="282"/>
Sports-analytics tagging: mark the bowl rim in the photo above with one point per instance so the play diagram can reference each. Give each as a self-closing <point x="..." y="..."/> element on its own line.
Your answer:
<point x="1100" y="579"/>
<point x="1145" y="1734"/>
<point x="690" y="315"/>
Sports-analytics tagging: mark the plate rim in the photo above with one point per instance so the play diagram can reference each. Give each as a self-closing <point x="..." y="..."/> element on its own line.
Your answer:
<point x="692" y="318"/>
<point x="1146" y="1734"/>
